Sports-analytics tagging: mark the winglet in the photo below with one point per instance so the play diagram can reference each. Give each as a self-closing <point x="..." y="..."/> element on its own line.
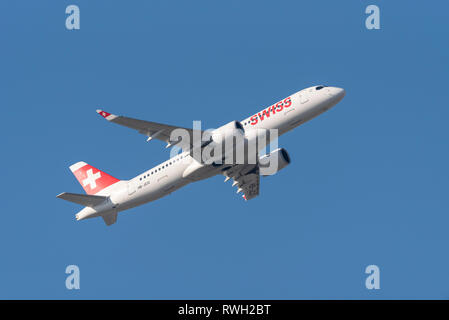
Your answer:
<point x="108" y="116"/>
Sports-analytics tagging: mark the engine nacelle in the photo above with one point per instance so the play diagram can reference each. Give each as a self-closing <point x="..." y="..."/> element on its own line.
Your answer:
<point x="222" y="143"/>
<point x="227" y="132"/>
<point x="273" y="162"/>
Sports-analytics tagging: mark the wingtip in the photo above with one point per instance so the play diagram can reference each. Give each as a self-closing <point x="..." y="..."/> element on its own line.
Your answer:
<point x="103" y="113"/>
<point x="108" y="116"/>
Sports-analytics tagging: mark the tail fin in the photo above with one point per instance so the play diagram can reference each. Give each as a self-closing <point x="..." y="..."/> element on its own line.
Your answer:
<point x="91" y="179"/>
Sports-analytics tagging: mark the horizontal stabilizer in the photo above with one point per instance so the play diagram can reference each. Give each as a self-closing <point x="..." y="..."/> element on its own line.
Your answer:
<point x="82" y="199"/>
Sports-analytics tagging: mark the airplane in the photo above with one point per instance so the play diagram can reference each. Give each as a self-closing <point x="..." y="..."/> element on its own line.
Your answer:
<point x="106" y="196"/>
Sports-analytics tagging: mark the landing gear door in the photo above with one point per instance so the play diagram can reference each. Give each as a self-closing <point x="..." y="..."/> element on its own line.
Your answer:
<point x="131" y="187"/>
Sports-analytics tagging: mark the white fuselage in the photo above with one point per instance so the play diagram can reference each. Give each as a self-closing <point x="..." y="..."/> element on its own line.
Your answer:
<point x="169" y="176"/>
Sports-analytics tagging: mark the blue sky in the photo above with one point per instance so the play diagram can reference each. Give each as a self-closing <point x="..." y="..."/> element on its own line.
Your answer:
<point x="367" y="184"/>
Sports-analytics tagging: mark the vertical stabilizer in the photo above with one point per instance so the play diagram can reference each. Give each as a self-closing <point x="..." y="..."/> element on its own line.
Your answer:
<point x="91" y="179"/>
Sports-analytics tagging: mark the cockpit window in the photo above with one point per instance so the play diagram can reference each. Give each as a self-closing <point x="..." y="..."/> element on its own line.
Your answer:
<point x="238" y="125"/>
<point x="319" y="87"/>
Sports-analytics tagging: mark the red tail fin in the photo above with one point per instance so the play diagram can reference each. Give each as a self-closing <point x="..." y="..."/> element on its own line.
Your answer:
<point x="91" y="179"/>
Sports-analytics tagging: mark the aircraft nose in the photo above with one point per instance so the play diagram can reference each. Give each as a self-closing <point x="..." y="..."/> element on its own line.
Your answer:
<point x="337" y="93"/>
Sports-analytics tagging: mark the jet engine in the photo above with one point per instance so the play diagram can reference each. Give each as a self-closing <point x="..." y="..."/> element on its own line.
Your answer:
<point x="227" y="132"/>
<point x="223" y="143"/>
<point x="273" y="162"/>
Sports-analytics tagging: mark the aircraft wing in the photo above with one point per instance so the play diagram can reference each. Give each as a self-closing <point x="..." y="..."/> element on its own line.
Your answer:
<point x="152" y="130"/>
<point x="247" y="179"/>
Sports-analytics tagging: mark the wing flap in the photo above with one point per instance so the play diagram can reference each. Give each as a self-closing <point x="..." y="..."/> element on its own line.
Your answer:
<point x="250" y="186"/>
<point x="247" y="179"/>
